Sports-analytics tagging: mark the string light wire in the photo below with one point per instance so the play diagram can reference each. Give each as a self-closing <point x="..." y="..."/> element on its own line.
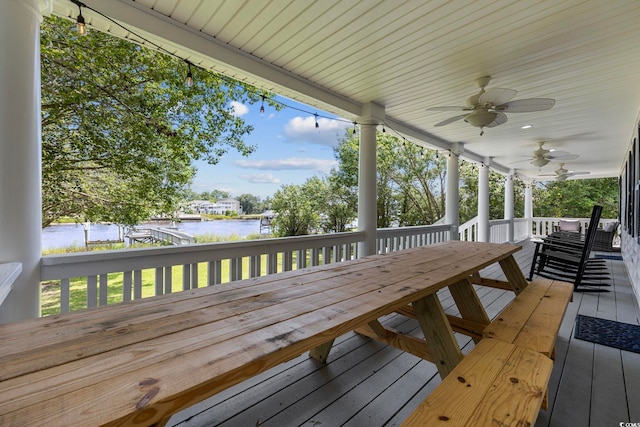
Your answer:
<point x="189" y="80"/>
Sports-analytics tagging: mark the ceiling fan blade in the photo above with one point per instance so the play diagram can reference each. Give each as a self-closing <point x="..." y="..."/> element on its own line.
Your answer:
<point x="571" y="173"/>
<point x="451" y="120"/>
<point x="449" y="108"/>
<point x="497" y="96"/>
<point x="527" y="105"/>
<point x="501" y="118"/>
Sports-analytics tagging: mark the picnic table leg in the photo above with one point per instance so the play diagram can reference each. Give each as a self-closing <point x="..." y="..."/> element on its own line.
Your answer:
<point x="468" y="303"/>
<point x="321" y="353"/>
<point x="514" y="274"/>
<point x="438" y="333"/>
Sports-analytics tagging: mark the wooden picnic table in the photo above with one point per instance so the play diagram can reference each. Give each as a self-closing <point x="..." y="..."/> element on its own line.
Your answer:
<point x="139" y="362"/>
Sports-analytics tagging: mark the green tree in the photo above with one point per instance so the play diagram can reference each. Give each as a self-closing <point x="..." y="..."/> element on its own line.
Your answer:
<point x="251" y="204"/>
<point x="575" y="198"/>
<point x="410" y="180"/>
<point x="121" y="130"/>
<point x="339" y="205"/>
<point x="296" y="208"/>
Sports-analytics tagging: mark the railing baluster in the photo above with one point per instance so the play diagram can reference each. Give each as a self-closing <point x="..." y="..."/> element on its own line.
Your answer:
<point x="92" y="291"/>
<point x="186" y="277"/>
<point x="158" y="280"/>
<point x="104" y="289"/>
<point x="65" y="295"/>
<point x="194" y="275"/>
<point x="168" y="279"/>
<point x="137" y="284"/>
<point x="326" y="255"/>
<point x="301" y="260"/>
<point x="315" y="256"/>
<point x="272" y="266"/>
<point x="287" y="261"/>
<point x="126" y="286"/>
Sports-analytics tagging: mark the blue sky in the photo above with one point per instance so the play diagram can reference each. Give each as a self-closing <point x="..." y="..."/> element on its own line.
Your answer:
<point x="289" y="150"/>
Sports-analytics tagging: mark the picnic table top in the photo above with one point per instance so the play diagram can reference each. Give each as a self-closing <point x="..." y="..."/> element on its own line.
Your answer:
<point x="130" y="363"/>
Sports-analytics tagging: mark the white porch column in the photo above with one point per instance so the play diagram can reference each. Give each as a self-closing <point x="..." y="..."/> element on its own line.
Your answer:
<point x="528" y="200"/>
<point x="367" y="189"/>
<point x="528" y="206"/>
<point x="483" y="204"/>
<point x="452" y="208"/>
<point x="20" y="153"/>
<point x="509" y="206"/>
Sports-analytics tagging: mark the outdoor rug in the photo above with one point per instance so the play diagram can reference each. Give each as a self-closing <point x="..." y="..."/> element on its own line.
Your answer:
<point x="613" y="257"/>
<point x="623" y="336"/>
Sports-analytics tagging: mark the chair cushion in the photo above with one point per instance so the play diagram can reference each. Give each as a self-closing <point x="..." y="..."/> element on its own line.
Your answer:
<point x="568" y="225"/>
<point x="610" y="227"/>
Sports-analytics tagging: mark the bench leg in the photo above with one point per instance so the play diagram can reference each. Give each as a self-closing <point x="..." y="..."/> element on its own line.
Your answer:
<point x="468" y="303"/>
<point x="438" y="333"/>
<point x="321" y="353"/>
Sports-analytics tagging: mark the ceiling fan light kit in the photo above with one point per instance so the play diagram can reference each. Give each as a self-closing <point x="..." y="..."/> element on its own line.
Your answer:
<point x="481" y="119"/>
<point x="540" y="162"/>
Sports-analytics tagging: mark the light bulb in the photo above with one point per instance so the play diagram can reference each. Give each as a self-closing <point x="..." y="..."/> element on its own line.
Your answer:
<point x="189" y="80"/>
<point x="80" y="25"/>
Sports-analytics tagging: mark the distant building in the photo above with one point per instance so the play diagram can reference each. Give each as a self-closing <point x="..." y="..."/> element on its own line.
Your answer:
<point x="228" y="205"/>
<point x="221" y="207"/>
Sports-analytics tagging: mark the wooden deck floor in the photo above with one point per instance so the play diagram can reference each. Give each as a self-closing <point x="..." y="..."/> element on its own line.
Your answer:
<point x="370" y="384"/>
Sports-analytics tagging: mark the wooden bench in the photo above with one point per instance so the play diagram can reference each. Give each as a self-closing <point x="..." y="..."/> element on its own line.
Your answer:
<point x="497" y="383"/>
<point x="532" y="320"/>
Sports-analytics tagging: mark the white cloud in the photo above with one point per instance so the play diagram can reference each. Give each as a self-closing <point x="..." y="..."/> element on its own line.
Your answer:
<point x="292" y="163"/>
<point x="262" y="178"/>
<point x="238" y="109"/>
<point x="304" y="130"/>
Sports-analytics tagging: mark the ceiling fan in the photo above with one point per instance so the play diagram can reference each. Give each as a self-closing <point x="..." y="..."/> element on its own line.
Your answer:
<point x="487" y="108"/>
<point x="541" y="157"/>
<point x="562" y="174"/>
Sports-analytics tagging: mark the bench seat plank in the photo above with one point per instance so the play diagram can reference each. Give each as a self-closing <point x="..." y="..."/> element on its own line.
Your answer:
<point x="496" y="384"/>
<point x="533" y="318"/>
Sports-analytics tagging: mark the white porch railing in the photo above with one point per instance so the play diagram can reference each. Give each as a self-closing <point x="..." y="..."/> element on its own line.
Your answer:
<point x="112" y="276"/>
<point x="541" y="226"/>
<point x="468" y="232"/>
<point x="395" y="239"/>
<point x="9" y="272"/>
<point x="99" y="278"/>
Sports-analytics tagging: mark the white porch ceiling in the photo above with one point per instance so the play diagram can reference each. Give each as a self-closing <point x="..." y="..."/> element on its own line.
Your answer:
<point x="338" y="55"/>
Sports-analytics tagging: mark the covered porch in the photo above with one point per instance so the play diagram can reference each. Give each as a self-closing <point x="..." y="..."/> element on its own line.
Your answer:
<point x="366" y="383"/>
<point x="356" y="84"/>
<point x="592" y="384"/>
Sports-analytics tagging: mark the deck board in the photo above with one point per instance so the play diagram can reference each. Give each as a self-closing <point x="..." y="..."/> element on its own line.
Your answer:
<point x="366" y="383"/>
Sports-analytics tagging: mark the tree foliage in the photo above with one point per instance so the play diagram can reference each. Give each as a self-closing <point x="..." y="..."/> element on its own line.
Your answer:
<point x="469" y="193"/>
<point x="410" y="180"/>
<point x="252" y="204"/>
<point x="296" y="207"/>
<point x="120" y="129"/>
<point x="575" y="198"/>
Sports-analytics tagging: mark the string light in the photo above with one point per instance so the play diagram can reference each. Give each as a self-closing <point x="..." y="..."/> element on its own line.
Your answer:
<point x="189" y="80"/>
<point x="80" y="23"/>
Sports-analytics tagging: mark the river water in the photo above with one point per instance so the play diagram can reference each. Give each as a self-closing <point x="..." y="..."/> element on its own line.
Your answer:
<point x="64" y="235"/>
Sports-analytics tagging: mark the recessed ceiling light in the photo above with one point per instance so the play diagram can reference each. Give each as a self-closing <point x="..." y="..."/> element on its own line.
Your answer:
<point x="526" y="127"/>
